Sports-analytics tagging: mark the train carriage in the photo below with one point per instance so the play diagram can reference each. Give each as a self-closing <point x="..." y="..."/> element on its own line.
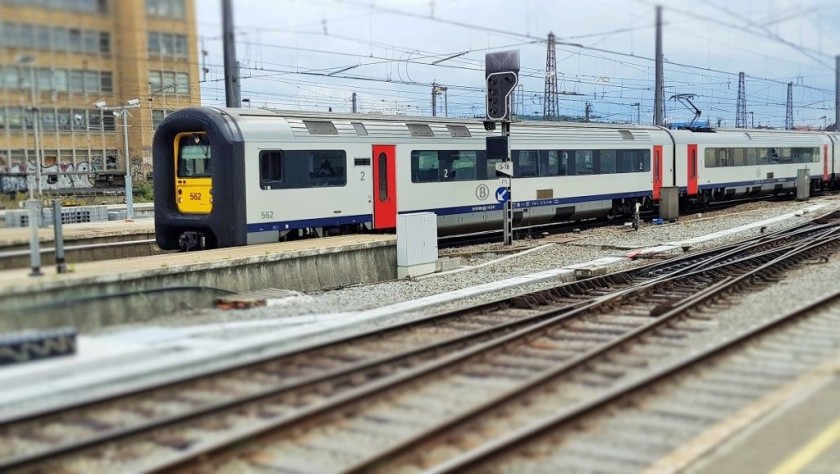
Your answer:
<point x="729" y="164"/>
<point x="228" y="177"/>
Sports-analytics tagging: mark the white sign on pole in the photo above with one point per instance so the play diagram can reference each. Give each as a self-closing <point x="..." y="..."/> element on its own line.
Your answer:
<point x="505" y="167"/>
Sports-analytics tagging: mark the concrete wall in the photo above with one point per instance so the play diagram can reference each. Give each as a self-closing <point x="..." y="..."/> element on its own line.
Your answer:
<point x="92" y="302"/>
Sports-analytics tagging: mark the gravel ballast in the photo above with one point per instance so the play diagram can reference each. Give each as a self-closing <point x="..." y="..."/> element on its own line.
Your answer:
<point x="589" y="244"/>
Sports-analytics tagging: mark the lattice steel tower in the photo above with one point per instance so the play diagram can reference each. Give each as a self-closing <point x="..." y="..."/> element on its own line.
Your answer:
<point x="741" y="111"/>
<point x="789" y="108"/>
<point x="550" y="100"/>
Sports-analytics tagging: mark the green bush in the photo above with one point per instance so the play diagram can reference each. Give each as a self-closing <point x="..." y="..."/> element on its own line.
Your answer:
<point x="144" y="192"/>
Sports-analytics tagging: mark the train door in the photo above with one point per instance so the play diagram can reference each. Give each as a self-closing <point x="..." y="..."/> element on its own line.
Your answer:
<point x="692" y="170"/>
<point x="657" y="171"/>
<point x="384" y="187"/>
<point x="825" y="163"/>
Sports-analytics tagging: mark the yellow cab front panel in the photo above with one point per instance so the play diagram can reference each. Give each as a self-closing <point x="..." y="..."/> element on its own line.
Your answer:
<point x="193" y="179"/>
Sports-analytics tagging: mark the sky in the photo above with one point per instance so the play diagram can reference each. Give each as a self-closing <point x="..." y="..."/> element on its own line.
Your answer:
<point x="314" y="54"/>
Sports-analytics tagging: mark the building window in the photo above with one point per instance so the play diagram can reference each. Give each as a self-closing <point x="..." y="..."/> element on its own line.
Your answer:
<point x="166" y="8"/>
<point x="79" y="120"/>
<point x="169" y="83"/>
<point x="15" y="117"/>
<point x="12" y="80"/>
<point x="106" y="81"/>
<point x="182" y="84"/>
<point x="181" y="46"/>
<point x="109" y="122"/>
<point x="63" y="120"/>
<point x="60" y="81"/>
<point x="75" y="40"/>
<point x="27" y="36"/>
<point x="166" y="44"/>
<point x="61" y="39"/>
<point x="44" y="79"/>
<point x="42" y="37"/>
<point x="91" y="81"/>
<point x="48" y="120"/>
<point x="157" y="117"/>
<point x="155" y="86"/>
<point x="77" y="83"/>
<point x="104" y="42"/>
<point x="95" y="120"/>
<point x="10" y="34"/>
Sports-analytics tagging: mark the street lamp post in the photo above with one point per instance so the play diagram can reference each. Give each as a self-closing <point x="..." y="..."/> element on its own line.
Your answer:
<point x="22" y="60"/>
<point x="122" y="110"/>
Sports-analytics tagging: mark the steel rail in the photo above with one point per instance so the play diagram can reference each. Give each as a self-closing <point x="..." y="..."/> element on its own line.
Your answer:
<point x="379" y="461"/>
<point x="404" y="357"/>
<point x="311" y="413"/>
<point x="81" y="444"/>
<point x="498" y="447"/>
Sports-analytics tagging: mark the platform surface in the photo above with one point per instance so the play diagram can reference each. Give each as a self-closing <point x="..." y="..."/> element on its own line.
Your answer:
<point x="19" y="279"/>
<point x="17" y="236"/>
<point x="803" y="436"/>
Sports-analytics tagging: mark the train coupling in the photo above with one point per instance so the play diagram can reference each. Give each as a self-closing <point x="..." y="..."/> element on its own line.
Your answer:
<point x="189" y="241"/>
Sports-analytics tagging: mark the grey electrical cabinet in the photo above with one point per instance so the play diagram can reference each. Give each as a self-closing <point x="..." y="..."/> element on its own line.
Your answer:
<point x="417" y="249"/>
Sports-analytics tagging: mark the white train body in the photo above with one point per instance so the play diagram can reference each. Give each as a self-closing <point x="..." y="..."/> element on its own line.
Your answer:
<point x="250" y="176"/>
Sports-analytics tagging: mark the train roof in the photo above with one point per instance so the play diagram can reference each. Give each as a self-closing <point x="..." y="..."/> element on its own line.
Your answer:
<point x="272" y="125"/>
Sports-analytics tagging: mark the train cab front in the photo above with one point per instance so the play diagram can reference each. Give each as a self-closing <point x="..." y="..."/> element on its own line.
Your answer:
<point x="196" y="181"/>
<point x="193" y="184"/>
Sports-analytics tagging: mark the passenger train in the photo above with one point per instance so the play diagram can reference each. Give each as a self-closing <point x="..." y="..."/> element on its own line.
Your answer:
<point x="230" y="177"/>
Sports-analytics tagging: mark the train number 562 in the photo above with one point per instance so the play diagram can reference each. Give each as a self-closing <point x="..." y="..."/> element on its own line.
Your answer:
<point x="195" y="196"/>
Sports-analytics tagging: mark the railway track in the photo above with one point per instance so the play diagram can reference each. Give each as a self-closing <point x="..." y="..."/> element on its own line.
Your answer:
<point x="644" y="424"/>
<point x="469" y="358"/>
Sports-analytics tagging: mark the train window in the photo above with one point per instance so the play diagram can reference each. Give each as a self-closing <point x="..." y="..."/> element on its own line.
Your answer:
<point x="725" y="157"/>
<point x="525" y="163"/>
<point x="424" y="166"/>
<point x="271" y="168"/>
<point x="194" y="156"/>
<point x="429" y="166"/>
<point x="296" y="169"/>
<point x="327" y="168"/>
<point x="605" y="162"/>
<point x="463" y="165"/>
<point x="383" y="177"/>
<point x="583" y="162"/>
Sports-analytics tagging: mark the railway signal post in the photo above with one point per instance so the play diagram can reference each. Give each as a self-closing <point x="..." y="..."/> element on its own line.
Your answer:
<point x="501" y="73"/>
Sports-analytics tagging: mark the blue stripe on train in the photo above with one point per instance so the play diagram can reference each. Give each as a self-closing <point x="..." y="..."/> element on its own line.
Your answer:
<point x="447" y="211"/>
<point x="359" y="219"/>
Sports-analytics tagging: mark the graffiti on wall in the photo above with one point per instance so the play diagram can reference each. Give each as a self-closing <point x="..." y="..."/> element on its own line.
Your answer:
<point x="13" y="178"/>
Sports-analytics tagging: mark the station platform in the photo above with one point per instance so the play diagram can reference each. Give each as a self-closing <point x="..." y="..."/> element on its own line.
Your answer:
<point x="83" y="242"/>
<point x="801" y="435"/>
<point x="17" y="238"/>
<point x="126" y="290"/>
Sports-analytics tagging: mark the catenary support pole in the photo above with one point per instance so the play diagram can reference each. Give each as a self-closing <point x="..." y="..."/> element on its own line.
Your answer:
<point x="233" y="92"/>
<point x="837" y="97"/>
<point x="659" y="93"/>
